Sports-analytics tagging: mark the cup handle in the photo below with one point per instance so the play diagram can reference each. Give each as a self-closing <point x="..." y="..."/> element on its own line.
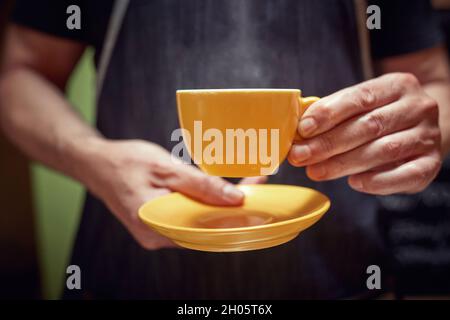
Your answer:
<point x="304" y="103"/>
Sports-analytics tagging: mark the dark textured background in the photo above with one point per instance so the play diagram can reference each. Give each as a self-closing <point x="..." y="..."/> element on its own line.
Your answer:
<point x="417" y="230"/>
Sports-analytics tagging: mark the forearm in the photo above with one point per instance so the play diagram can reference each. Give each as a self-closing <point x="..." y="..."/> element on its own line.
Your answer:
<point x="440" y="91"/>
<point x="36" y="117"/>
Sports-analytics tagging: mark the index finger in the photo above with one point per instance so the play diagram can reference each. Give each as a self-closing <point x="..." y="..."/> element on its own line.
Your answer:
<point x="361" y="98"/>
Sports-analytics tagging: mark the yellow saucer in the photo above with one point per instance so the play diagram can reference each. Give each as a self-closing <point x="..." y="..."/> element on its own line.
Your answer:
<point x="271" y="215"/>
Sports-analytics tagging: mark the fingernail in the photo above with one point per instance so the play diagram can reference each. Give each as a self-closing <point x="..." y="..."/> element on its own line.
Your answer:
<point x="317" y="171"/>
<point x="301" y="152"/>
<point x="232" y="194"/>
<point x="307" y="126"/>
<point x="356" y="183"/>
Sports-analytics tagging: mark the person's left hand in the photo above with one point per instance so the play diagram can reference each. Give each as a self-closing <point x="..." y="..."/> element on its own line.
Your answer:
<point x="383" y="133"/>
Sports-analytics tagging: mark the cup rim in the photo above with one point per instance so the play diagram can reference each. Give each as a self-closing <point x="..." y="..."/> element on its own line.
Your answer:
<point x="238" y="90"/>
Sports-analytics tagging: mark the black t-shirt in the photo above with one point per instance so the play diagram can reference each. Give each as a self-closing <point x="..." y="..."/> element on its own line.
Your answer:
<point x="50" y="16"/>
<point x="406" y="26"/>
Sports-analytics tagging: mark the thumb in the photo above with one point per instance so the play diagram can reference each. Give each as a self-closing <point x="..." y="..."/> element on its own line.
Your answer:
<point x="254" y="180"/>
<point x="196" y="184"/>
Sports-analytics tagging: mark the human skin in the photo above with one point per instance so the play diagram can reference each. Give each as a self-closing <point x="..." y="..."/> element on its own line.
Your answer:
<point x="387" y="135"/>
<point x="125" y="173"/>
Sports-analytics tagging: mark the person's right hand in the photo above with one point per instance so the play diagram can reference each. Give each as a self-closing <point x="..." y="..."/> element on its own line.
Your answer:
<point x="127" y="173"/>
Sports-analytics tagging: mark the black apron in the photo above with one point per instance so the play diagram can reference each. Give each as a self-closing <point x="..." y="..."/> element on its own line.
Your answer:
<point x="165" y="45"/>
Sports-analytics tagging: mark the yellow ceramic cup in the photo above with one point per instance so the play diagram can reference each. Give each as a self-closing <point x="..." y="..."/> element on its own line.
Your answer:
<point x="240" y="132"/>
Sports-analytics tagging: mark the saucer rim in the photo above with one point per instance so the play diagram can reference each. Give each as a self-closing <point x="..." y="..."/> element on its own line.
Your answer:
<point x="239" y="90"/>
<point x="317" y="212"/>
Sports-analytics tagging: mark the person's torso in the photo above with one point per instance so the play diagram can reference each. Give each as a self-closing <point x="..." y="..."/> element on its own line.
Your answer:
<point x="165" y="45"/>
